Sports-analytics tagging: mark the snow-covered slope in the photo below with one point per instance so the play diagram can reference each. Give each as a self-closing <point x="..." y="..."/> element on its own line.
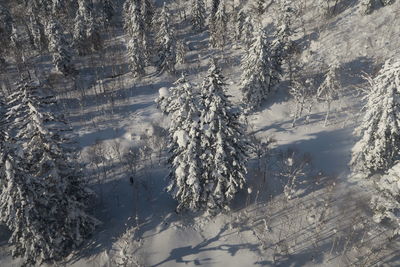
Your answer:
<point x="326" y="223"/>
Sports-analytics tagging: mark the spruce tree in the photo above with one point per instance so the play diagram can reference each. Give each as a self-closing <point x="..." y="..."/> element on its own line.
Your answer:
<point x="379" y="132"/>
<point x="386" y="202"/>
<point x="198" y="15"/>
<point x="224" y="144"/>
<point x="186" y="170"/>
<point x="166" y="42"/>
<point x="59" y="48"/>
<point x="43" y="200"/>
<point x="256" y="81"/>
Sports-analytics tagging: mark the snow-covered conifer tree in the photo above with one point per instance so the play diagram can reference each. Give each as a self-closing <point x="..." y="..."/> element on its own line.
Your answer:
<point x="86" y="34"/>
<point x="367" y="6"/>
<point x="148" y="14"/>
<point x="59" y="48"/>
<point x="379" y="146"/>
<point x="134" y="26"/>
<point x="166" y="42"/>
<point x="136" y="57"/>
<point x="386" y="203"/>
<point x="224" y="144"/>
<point x="43" y="198"/>
<point x="79" y="35"/>
<point x="247" y="32"/>
<point x="256" y="82"/>
<point x="185" y="164"/>
<point x="108" y="11"/>
<point x="282" y="44"/>
<point x="328" y="91"/>
<point x="198" y="15"/>
<point x="218" y="27"/>
<point x="181" y="50"/>
<point x="38" y="33"/>
<point x="240" y="17"/>
<point x="6" y="23"/>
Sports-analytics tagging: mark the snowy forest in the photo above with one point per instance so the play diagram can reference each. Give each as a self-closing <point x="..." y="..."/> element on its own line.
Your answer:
<point x="152" y="133"/>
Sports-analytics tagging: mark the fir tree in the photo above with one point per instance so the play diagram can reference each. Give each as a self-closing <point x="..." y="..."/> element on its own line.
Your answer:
<point x="198" y="15"/>
<point x="379" y="145"/>
<point x="43" y="197"/>
<point x="59" y="48"/>
<point x="166" y="43"/>
<point x="386" y="203"/>
<point x="256" y="82"/>
<point x="224" y="144"/>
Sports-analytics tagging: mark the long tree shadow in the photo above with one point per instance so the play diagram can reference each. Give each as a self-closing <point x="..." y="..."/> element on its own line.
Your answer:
<point x="177" y="254"/>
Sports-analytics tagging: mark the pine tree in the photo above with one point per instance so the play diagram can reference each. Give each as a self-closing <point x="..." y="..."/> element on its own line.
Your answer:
<point x="378" y="148"/>
<point x="198" y="15"/>
<point x="328" y="91"/>
<point x="43" y="197"/>
<point x="218" y="27"/>
<point x="59" y="48"/>
<point x="386" y="203"/>
<point x="256" y="81"/>
<point x="224" y="144"/>
<point x="185" y="175"/>
<point x="166" y="43"/>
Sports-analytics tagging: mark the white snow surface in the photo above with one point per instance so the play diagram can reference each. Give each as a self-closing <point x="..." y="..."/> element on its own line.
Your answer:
<point x="263" y="229"/>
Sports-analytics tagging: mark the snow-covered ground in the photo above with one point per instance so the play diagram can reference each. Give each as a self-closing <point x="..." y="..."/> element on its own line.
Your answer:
<point x="325" y="223"/>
